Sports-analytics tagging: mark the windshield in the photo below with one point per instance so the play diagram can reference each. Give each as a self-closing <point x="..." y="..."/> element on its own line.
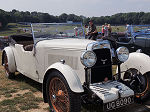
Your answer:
<point x="42" y="31"/>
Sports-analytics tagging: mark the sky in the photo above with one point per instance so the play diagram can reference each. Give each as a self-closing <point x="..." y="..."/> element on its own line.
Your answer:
<point x="88" y="8"/>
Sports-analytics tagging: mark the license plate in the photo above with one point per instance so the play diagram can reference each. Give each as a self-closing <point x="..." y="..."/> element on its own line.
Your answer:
<point x="118" y="103"/>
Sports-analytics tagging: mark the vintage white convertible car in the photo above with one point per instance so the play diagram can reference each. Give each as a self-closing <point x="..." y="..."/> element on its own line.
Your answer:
<point x="72" y="69"/>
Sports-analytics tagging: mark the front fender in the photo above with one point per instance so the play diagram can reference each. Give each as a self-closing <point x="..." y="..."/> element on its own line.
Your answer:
<point x="11" y="59"/>
<point x="70" y="76"/>
<point x="139" y="61"/>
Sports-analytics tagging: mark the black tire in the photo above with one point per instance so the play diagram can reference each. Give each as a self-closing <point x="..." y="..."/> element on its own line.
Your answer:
<point x="71" y="102"/>
<point x="8" y="74"/>
<point x="144" y="86"/>
<point x="147" y="91"/>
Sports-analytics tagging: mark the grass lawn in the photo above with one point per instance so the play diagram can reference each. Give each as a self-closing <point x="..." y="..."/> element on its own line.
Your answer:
<point x="13" y="28"/>
<point x="21" y="94"/>
<point x="114" y="28"/>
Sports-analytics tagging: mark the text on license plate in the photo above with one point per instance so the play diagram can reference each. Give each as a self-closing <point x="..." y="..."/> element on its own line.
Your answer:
<point x="118" y="103"/>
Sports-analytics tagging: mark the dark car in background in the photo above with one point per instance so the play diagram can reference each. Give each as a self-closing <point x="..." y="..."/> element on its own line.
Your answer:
<point x="137" y="39"/>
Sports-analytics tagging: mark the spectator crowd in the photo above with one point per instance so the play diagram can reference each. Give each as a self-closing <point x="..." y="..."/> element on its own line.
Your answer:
<point x="91" y="30"/>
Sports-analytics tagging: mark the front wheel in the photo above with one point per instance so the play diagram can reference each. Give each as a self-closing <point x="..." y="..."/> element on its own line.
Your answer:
<point x="138" y="82"/>
<point x="60" y="97"/>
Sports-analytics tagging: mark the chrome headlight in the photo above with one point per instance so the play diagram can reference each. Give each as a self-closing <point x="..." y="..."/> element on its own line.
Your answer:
<point x="88" y="59"/>
<point x="122" y="53"/>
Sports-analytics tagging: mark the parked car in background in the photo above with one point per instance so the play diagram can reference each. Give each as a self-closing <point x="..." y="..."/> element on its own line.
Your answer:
<point x="72" y="69"/>
<point x="137" y="39"/>
<point x="137" y="75"/>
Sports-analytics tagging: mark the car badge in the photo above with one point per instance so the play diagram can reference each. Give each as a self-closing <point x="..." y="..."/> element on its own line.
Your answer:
<point x="104" y="61"/>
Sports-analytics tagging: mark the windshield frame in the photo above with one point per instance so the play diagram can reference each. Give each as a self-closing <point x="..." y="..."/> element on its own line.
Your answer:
<point x="67" y="24"/>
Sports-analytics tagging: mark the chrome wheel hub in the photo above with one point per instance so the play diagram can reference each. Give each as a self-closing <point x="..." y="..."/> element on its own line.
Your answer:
<point x="54" y="97"/>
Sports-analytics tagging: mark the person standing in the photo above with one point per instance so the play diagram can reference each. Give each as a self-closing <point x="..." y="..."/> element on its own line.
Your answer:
<point x="109" y="30"/>
<point x="106" y="30"/>
<point x="103" y="30"/>
<point x="86" y="29"/>
<point x="128" y="29"/>
<point x="92" y="31"/>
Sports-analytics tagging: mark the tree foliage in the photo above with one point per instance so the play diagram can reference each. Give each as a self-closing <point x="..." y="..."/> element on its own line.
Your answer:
<point x="124" y="18"/>
<point x="15" y="16"/>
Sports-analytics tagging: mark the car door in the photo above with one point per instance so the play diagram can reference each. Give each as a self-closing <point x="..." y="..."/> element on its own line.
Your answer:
<point x="147" y="47"/>
<point x="139" y="42"/>
<point x="25" y="61"/>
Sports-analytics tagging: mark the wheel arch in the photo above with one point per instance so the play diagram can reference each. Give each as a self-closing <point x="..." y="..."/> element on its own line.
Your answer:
<point x="68" y="73"/>
<point x="11" y="59"/>
<point x="139" y="61"/>
<point x="148" y="73"/>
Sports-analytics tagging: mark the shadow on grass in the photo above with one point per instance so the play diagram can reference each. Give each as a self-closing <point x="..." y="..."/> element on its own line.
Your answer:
<point x="27" y="81"/>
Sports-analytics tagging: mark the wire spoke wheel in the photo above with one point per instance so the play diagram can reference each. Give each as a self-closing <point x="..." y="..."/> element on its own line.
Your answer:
<point x="138" y="82"/>
<point x="59" y="95"/>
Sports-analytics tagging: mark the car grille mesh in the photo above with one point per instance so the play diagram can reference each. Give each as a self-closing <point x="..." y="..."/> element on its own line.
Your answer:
<point x="103" y="66"/>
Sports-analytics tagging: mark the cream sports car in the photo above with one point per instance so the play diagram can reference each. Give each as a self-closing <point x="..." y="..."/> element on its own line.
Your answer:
<point x="72" y="69"/>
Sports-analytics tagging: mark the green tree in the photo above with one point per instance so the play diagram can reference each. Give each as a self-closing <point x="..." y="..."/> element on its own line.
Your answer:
<point x="3" y="19"/>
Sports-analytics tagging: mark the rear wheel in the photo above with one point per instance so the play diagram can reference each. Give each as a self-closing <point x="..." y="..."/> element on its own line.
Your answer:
<point x="138" y="82"/>
<point x="6" y="66"/>
<point x="60" y="97"/>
